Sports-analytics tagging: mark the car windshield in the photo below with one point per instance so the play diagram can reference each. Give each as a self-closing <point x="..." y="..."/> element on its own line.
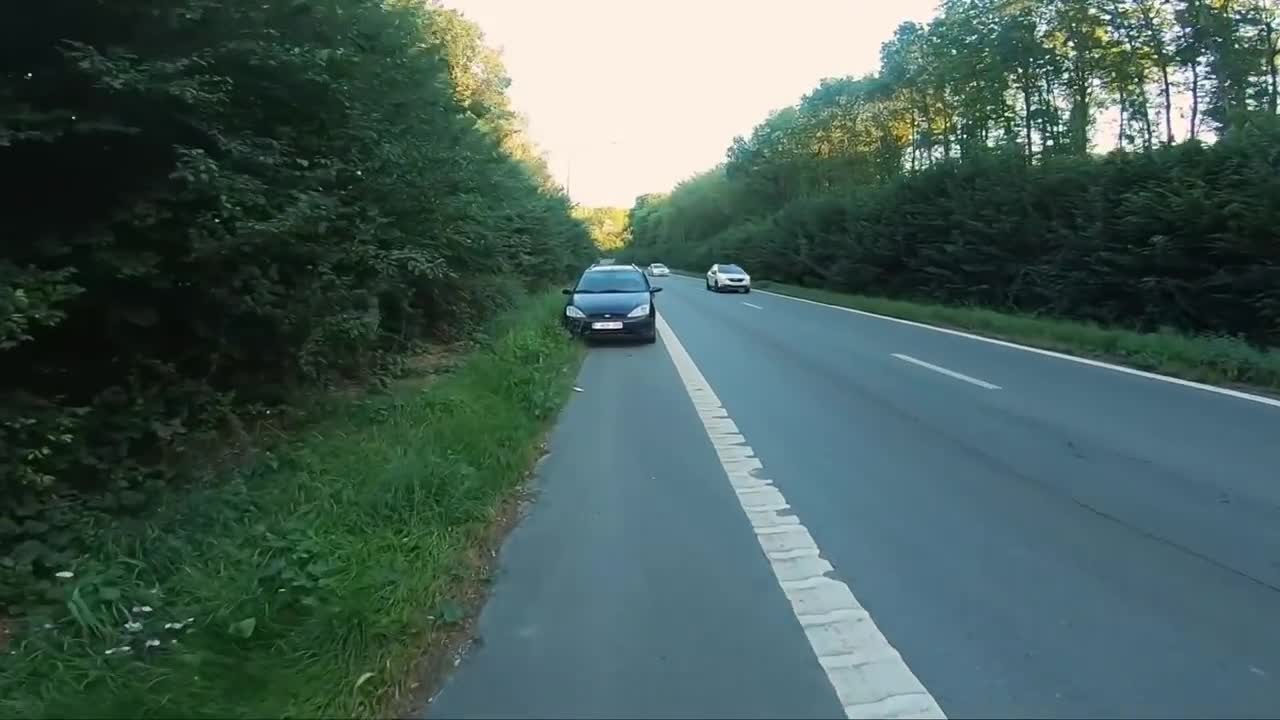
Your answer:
<point x="658" y="266"/>
<point x="734" y="269"/>
<point x="612" y="281"/>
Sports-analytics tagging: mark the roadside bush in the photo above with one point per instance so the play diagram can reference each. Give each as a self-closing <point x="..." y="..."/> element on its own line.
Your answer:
<point x="1182" y="237"/>
<point x="210" y="204"/>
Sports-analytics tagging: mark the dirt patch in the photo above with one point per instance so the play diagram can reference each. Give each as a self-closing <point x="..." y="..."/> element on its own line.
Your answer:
<point x="419" y="370"/>
<point x="435" y="359"/>
<point x="445" y="648"/>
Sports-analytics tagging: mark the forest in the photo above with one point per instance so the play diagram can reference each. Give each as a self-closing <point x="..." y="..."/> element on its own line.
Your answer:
<point x="608" y="226"/>
<point x="1112" y="161"/>
<point x="211" y="205"/>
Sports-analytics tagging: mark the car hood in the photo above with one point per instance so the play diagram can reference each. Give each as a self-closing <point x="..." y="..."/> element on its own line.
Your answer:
<point x="609" y="303"/>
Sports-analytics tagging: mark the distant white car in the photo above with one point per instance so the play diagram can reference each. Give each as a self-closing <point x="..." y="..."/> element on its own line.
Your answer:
<point x="658" y="270"/>
<point x="728" y="277"/>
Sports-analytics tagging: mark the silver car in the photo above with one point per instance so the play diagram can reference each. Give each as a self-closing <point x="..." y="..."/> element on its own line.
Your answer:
<point x="728" y="277"/>
<point x="658" y="270"/>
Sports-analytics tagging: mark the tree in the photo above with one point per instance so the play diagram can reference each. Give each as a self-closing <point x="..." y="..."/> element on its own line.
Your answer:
<point x="962" y="172"/>
<point x="250" y="197"/>
<point x="608" y="226"/>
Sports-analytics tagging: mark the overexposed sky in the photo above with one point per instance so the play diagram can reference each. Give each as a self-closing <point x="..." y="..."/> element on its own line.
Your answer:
<point x="632" y="96"/>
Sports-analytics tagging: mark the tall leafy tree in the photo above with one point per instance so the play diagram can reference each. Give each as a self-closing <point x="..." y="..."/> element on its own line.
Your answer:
<point x="964" y="171"/>
<point x="608" y="226"/>
<point x="215" y="202"/>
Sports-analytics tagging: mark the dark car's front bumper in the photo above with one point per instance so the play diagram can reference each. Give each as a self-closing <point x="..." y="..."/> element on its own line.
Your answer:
<point x="642" y="327"/>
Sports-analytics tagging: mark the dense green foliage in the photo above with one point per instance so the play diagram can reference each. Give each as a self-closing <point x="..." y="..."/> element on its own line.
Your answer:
<point x="962" y="172"/>
<point x="608" y="225"/>
<point x="210" y="203"/>
<point x="307" y="584"/>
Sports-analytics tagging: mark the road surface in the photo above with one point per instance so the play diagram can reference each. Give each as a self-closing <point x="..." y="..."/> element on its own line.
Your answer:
<point x="784" y="509"/>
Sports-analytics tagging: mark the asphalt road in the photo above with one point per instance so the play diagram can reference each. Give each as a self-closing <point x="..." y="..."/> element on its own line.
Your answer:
<point x="1035" y="537"/>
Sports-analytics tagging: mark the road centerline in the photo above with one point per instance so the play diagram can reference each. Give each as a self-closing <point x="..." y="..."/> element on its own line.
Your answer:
<point x="870" y="677"/>
<point x="948" y="373"/>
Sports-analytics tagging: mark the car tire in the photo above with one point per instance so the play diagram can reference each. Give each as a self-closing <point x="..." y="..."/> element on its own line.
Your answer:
<point x="708" y="286"/>
<point x="651" y="339"/>
<point x="746" y="290"/>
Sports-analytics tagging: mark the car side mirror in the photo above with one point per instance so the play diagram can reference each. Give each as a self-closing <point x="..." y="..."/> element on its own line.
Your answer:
<point x="653" y="290"/>
<point x="566" y="291"/>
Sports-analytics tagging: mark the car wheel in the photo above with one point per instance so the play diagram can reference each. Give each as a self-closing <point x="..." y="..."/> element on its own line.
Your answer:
<point x="746" y="290"/>
<point x="708" y="286"/>
<point x="651" y="338"/>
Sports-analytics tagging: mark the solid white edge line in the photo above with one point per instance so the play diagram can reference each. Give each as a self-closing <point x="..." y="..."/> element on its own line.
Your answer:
<point x="1237" y="394"/>
<point x="750" y="305"/>
<point x="949" y="373"/>
<point x="869" y="676"/>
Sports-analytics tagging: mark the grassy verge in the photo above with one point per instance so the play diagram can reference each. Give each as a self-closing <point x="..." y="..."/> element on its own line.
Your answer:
<point x="310" y="583"/>
<point x="1217" y="360"/>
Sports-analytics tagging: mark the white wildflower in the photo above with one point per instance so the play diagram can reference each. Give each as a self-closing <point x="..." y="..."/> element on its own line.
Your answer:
<point x="132" y="626"/>
<point x="173" y="626"/>
<point x="64" y="574"/>
<point x="49" y="626"/>
<point x="121" y="649"/>
<point x="142" y="608"/>
<point x="153" y="643"/>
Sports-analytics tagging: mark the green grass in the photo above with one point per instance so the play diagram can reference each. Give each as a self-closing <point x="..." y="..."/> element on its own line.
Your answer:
<point x="314" y="579"/>
<point x="1217" y="360"/>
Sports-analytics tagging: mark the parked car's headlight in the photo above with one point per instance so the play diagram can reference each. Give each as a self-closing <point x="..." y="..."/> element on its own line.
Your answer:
<point x="640" y="311"/>
<point x="573" y="312"/>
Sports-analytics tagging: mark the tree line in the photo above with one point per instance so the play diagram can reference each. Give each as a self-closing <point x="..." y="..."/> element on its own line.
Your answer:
<point x="966" y="171"/>
<point x="210" y="203"/>
<point x="608" y="226"/>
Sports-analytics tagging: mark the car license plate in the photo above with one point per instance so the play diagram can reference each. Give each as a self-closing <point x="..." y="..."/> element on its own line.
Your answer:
<point x="608" y="325"/>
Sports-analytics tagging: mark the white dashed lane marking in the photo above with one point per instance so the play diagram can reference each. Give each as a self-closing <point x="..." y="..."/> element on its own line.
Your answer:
<point x="869" y="676"/>
<point x="750" y="305"/>
<point x="948" y="373"/>
<point x="1227" y="392"/>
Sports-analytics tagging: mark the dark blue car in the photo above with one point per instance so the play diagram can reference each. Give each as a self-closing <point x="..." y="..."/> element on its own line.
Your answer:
<point x="612" y="301"/>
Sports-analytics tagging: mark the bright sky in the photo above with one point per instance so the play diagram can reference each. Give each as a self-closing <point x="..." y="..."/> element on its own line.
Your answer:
<point x="632" y="96"/>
